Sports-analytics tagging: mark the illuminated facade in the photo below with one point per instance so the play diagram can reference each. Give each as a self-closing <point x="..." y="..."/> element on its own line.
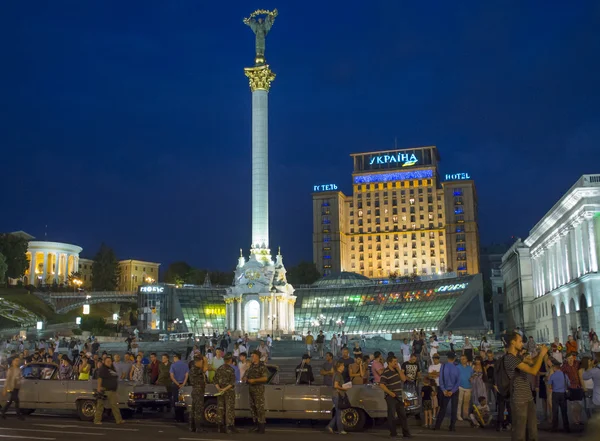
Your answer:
<point x="134" y="273"/>
<point x="402" y="218"/>
<point x="340" y="302"/>
<point x="561" y="287"/>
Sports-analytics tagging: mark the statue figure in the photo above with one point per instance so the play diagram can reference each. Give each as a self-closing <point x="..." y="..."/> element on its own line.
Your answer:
<point x="261" y="27"/>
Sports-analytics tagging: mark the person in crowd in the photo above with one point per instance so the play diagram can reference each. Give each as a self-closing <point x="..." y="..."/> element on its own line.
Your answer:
<point x="108" y="383"/>
<point x="412" y="372"/>
<point x="12" y="385"/>
<point x="593" y="373"/>
<point x="366" y="362"/>
<point x="256" y="376"/>
<point x="264" y="351"/>
<point x="225" y="384"/>
<point x="433" y="347"/>
<point x="309" y="341"/>
<point x="580" y="339"/>
<point x="556" y="353"/>
<point x="594" y="344"/>
<point x="427" y="402"/>
<point x="328" y="369"/>
<point x="468" y="350"/>
<point x="417" y="348"/>
<point x="531" y="346"/>
<point x="164" y="373"/>
<point x="202" y="344"/>
<point x="136" y="374"/>
<point x="465" y="389"/>
<point x="84" y="369"/>
<point x="377" y="366"/>
<point x="243" y="365"/>
<point x="571" y="369"/>
<point x="338" y="392"/>
<point x="488" y="368"/>
<point x="197" y="378"/>
<point x="344" y="340"/>
<point x="524" y="418"/>
<point x="391" y="383"/>
<point x="559" y="385"/>
<point x="544" y="390"/>
<point x="571" y="345"/>
<point x="304" y="373"/>
<point x="153" y="368"/>
<point x="451" y="341"/>
<point x="588" y="386"/>
<point x="65" y="371"/>
<point x="356" y="350"/>
<point x="216" y="362"/>
<point x="484" y="345"/>
<point x="405" y="348"/>
<point x="481" y="415"/>
<point x="347" y="362"/>
<point x="478" y="381"/>
<point x="448" y="392"/>
<point x="179" y="374"/>
<point x="357" y="370"/>
<point x="333" y="344"/>
<point x="320" y="344"/>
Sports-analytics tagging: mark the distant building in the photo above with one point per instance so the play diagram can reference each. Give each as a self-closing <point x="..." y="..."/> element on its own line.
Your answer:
<point x="134" y="273"/>
<point x="491" y="260"/>
<point x="498" y="301"/>
<point x="85" y="269"/>
<point x="402" y="218"/>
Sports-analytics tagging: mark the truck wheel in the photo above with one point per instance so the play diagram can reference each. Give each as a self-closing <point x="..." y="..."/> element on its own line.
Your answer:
<point x="27" y="411"/>
<point x="210" y="412"/>
<point x="353" y="419"/>
<point x="86" y="409"/>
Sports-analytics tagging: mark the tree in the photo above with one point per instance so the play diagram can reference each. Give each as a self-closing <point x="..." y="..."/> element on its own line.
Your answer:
<point x="304" y="273"/>
<point x="3" y="267"/>
<point x="14" y="249"/>
<point x="105" y="270"/>
<point x="177" y="273"/>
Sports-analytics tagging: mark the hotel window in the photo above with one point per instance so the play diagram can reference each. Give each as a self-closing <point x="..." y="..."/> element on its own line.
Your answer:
<point x="136" y="268"/>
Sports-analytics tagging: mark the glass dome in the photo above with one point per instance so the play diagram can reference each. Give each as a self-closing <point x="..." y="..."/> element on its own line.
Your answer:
<point x="343" y="279"/>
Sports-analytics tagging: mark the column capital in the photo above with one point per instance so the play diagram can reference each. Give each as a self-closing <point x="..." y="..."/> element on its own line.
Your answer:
<point x="260" y="77"/>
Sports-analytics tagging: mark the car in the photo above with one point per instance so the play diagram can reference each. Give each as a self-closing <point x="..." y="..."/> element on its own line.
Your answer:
<point x="303" y="402"/>
<point x="41" y="389"/>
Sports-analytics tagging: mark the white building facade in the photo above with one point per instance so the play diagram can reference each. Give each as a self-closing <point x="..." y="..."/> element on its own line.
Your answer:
<point x="51" y="262"/>
<point x="564" y="249"/>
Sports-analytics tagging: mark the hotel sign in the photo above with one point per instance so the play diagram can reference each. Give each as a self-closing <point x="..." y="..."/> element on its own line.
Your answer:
<point x="401" y="159"/>
<point x="458" y="177"/>
<point x="325" y="187"/>
<point x="156" y="289"/>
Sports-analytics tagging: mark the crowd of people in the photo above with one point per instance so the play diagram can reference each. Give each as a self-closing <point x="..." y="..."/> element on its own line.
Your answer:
<point x="474" y="382"/>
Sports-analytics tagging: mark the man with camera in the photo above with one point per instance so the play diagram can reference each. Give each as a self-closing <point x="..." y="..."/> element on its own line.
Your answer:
<point x="108" y="381"/>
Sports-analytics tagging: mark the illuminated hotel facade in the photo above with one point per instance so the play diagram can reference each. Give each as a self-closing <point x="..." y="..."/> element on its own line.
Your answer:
<point x="402" y="218"/>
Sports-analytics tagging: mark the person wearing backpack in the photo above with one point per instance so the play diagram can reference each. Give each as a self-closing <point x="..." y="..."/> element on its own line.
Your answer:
<point x="517" y="388"/>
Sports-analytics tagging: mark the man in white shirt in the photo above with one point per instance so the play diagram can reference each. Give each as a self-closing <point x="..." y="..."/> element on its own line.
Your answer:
<point x="434" y="369"/>
<point x="405" y="350"/>
<point x="433" y="347"/>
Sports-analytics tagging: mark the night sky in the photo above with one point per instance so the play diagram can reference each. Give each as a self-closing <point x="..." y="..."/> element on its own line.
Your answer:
<point x="129" y="122"/>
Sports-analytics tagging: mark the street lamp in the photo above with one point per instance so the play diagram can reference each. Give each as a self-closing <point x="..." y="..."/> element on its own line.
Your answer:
<point x="149" y="280"/>
<point x="76" y="284"/>
<point x="273" y="318"/>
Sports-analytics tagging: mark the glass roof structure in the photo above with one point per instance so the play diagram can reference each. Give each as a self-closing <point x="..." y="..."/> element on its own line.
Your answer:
<point x="341" y="302"/>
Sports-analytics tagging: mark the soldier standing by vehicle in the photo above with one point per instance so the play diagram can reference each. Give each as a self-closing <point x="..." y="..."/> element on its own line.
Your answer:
<point x="198" y="383"/>
<point x="225" y="383"/>
<point x="108" y="381"/>
<point x="256" y="376"/>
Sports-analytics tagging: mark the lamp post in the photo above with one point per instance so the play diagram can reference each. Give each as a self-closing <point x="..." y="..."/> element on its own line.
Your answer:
<point x="273" y="318"/>
<point x="76" y="284"/>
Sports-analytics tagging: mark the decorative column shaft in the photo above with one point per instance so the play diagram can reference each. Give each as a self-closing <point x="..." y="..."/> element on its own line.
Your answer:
<point x="32" y="275"/>
<point x="592" y="241"/>
<point x="56" y="266"/>
<point x="239" y="314"/>
<point x="45" y="268"/>
<point x="585" y="248"/>
<point x="260" y="78"/>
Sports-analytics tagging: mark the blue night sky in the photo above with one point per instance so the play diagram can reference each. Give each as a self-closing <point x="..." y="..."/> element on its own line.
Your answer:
<point x="129" y="122"/>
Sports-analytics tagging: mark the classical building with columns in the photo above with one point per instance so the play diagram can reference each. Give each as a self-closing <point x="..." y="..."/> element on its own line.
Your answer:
<point x="562" y="288"/>
<point x="50" y="262"/>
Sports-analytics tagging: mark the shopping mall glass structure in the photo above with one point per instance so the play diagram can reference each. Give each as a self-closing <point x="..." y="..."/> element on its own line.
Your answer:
<point x="340" y="302"/>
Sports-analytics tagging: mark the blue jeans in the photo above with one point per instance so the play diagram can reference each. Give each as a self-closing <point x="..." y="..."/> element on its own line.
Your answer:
<point x="337" y="418"/>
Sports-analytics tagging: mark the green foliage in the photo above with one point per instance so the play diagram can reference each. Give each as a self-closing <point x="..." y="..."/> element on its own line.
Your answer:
<point x="92" y="323"/>
<point x="105" y="270"/>
<point x="76" y="331"/>
<point x="14" y="248"/>
<point x="177" y="273"/>
<point x="3" y="268"/>
<point x="304" y="273"/>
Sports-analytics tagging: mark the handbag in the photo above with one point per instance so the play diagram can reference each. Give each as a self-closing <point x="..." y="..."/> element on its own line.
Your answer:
<point x="343" y="402"/>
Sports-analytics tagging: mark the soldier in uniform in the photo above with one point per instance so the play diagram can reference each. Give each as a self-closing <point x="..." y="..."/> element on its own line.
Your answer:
<point x="256" y="376"/>
<point x="225" y="383"/>
<point x="198" y="382"/>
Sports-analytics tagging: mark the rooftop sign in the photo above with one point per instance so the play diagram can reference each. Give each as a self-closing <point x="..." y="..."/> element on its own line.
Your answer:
<point x="458" y="177"/>
<point x="325" y="187"/>
<point x="152" y="288"/>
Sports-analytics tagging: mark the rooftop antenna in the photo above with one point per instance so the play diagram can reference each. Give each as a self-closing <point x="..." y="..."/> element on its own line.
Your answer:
<point x="46" y="232"/>
<point x="396" y="142"/>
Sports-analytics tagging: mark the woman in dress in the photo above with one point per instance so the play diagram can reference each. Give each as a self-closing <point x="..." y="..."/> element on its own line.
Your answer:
<point x="84" y="369"/>
<point x="595" y="344"/>
<point x="478" y="380"/>
<point x="334" y="345"/>
<point x="137" y="371"/>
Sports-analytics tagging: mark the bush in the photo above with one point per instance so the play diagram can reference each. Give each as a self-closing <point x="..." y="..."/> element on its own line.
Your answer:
<point x="76" y="331"/>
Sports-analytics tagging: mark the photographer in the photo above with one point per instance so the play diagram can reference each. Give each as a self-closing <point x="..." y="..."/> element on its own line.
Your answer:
<point x="108" y="381"/>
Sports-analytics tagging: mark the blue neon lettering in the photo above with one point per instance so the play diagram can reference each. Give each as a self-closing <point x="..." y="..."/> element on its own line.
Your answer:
<point x="403" y="158"/>
<point x="458" y="177"/>
<point x="325" y="187"/>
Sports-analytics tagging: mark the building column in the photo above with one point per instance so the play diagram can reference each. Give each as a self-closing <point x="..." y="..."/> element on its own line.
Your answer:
<point x="239" y="312"/>
<point x="585" y="246"/>
<point x="291" y="321"/>
<point x="592" y="243"/>
<point x="32" y="275"/>
<point x="75" y="264"/>
<point x="227" y="313"/>
<point x="566" y="257"/>
<point x="56" y="267"/>
<point x="554" y="280"/>
<point x="45" y="268"/>
<point x="573" y="260"/>
<point x="577" y="248"/>
<point x="264" y="313"/>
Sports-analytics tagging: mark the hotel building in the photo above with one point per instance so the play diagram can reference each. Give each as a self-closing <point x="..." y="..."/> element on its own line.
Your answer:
<point x="402" y="218"/>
